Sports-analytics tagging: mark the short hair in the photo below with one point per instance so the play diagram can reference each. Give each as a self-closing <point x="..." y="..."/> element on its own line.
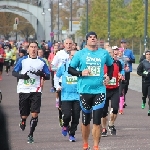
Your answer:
<point x="68" y="39"/>
<point x="33" y="42"/>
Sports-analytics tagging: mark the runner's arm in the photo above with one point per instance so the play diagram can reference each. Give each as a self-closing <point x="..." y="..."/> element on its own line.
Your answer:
<point x="46" y="71"/>
<point x="132" y="58"/>
<point x="110" y="70"/>
<point x="140" y="70"/>
<point x="75" y="64"/>
<point x="55" y="60"/>
<point x="57" y="77"/>
<point x="74" y="72"/>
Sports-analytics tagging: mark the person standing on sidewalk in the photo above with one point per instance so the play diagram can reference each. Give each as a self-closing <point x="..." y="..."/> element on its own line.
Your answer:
<point x="60" y="58"/>
<point x="144" y="70"/>
<point x="70" y="99"/>
<point x="130" y="58"/>
<point x="29" y="70"/>
<point x="91" y="85"/>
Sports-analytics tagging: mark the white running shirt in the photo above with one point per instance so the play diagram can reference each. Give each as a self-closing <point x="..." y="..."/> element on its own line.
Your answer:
<point x="29" y="65"/>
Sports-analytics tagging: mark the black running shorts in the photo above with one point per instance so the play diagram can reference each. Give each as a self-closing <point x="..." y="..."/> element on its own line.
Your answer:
<point x="113" y="95"/>
<point x="29" y="102"/>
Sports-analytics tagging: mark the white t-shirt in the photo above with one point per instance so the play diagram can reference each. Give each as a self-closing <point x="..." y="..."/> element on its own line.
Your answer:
<point x="60" y="58"/>
<point x="29" y="65"/>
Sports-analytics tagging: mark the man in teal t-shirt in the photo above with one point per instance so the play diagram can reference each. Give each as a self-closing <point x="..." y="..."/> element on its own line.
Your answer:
<point x="91" y="85"/>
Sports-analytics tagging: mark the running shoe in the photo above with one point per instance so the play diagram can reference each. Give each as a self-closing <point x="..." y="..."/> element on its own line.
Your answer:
<point x="64" y="131"/>
<point x="148" y="112"/>
<point x="143" y="105"/>
<point x="30" y="139"/>
<point x="121" y="112"/>
<point x="72" y="139"/>
<point x="86" y="147"/>
<point x="52" y="90"/>
<point x="112" y="130"/>
<point x="104" y="132"/>
<point x="22" y="125"/>
<point x="60" y="122"/>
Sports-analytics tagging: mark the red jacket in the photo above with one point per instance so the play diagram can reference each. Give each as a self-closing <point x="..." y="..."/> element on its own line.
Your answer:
<point x="2" y="55"/>
<point x="114" y="82"/>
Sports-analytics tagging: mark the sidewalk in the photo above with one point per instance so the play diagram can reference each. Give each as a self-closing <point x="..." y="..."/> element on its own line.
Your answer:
<point x="132" y="132"/>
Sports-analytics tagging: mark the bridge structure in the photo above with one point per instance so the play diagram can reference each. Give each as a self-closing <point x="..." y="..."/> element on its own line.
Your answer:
<point x="38" y="13"/>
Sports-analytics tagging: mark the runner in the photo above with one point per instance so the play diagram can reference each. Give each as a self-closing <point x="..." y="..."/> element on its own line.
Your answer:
<point x="112" y="93"/>
<point x="70" y="99"/>
<point x="130" y="58"/>
<point x="7" y="61"/>
<point x="60" y="58"/>
<point x="41" y="55"/>
<point x="90" y="62"/>
<point x="52" y="69"/>
<point x="2" y="57"/>
<point x="30" y="69"/>
<point x="144" y="70"/>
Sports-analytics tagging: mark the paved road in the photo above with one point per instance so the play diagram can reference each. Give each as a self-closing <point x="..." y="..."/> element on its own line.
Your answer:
<point x="133" y="130"/>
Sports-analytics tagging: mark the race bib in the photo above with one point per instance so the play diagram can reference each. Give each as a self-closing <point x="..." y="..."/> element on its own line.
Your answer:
<point x="112" y="81"/>
<point x="29" y="82"/>
<point x="94" y="70"/>
<point x="71" y="80"/>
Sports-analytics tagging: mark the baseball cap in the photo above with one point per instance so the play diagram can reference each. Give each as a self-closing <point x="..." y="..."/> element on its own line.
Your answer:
<point x="90" y="33"/>
<point x="115" y="47"/>
<point x="123" y="41"/>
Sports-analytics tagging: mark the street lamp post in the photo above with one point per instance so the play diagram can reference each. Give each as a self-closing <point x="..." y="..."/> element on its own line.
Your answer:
<point x="44" y="13"/>
<point x="71" y="15"/>
<point x="145" y="24"/>
<point x="108" y="20"/>
<point x="87" y="19"/>
<point x="58" y="21"/>
<point x="51" y="6"/>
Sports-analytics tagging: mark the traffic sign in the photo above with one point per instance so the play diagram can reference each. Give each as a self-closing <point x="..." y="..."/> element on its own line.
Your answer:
<point x="15" y="27"/>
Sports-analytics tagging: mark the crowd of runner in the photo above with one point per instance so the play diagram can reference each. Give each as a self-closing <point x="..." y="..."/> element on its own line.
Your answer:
<point x="92" y="79"/>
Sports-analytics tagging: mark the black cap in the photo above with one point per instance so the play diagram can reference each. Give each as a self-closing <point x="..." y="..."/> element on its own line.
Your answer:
<point x="91" y="33"/>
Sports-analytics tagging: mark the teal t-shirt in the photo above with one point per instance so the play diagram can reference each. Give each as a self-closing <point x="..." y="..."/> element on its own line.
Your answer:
<point x="94" y="61"/>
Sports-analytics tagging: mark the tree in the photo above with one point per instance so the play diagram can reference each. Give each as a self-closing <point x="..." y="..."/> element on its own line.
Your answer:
<point x="98" y="18"/>
<point x="6" y="23"/>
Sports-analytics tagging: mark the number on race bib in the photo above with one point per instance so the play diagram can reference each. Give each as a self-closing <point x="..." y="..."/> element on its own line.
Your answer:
<point x="71" y="80"/>
<point x="94" y="70"/>
<point x="112" y="81"/>
<point x="29" y="82"/>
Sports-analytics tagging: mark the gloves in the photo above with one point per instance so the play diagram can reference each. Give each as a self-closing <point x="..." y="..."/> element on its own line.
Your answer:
<point x="24" y="76"/>
<point x="40" y="73"/>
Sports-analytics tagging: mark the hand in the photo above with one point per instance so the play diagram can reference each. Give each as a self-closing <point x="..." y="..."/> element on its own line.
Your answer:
<point x="127" y="59"/>
<point x="40" y="73"/>
<point x="85" y="72"/>
<point x="24" y="76"/>
<point x="106" y="80"/>
<point x="59" y="88"/>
